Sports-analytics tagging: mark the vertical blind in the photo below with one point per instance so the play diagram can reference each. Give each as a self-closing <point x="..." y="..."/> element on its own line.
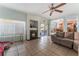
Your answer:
<point x="11" y="29"/>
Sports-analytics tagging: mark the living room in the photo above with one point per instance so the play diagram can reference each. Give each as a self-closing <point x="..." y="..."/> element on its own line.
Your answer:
<point x="28" y="29"/>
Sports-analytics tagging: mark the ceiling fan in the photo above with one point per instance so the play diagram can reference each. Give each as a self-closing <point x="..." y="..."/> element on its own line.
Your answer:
<point x="53" y="8"/>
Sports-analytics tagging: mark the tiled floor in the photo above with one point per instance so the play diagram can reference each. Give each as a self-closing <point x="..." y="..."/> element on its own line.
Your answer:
<point x="39" y="47"/>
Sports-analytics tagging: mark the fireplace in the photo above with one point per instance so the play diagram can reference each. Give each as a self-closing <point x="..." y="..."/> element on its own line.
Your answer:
<point x="33" y="29"/>
<point x="33" y="34"/>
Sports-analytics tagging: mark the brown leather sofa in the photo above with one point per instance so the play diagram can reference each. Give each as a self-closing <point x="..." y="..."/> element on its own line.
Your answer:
<point x="63" y="38"/>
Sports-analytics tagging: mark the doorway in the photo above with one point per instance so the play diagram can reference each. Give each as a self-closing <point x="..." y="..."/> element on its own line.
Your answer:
<point x="44" y="28"/>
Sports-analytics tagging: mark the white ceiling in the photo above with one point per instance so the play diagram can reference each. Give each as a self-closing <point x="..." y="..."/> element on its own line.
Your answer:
<point x="38" y="8"/>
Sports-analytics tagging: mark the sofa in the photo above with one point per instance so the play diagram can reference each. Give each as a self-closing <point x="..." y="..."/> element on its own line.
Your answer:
<point x="76" y="41"/>
<point x="63" y="38"/>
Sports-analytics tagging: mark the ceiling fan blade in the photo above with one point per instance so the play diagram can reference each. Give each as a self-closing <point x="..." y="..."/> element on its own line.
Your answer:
<point x="46" y="11"/>
<point x="51" y="13"/>
<point x="60" y="11"/>
<point x="60" y="5"/>
<point x="52" y="4"/>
